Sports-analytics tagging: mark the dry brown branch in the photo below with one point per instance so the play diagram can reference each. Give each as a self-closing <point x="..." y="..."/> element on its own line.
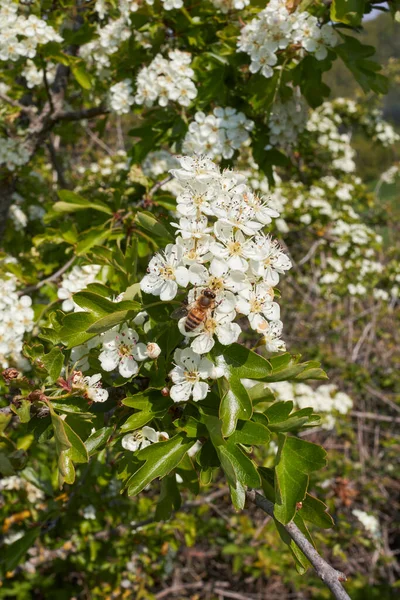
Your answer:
<point x="330" y="576"/>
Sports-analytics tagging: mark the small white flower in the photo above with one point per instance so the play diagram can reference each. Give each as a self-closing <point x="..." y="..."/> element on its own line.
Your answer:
<point x="89" y="387"/>
<point x="165" y="273"/>
<point x="258" y="306"/>
<point x="143" y="438"/>
<point x="190" y="369"/>
<point x="121" y="350"/>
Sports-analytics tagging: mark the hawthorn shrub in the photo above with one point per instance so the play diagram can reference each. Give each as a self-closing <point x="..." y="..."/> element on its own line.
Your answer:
<point x="178" y="199"/>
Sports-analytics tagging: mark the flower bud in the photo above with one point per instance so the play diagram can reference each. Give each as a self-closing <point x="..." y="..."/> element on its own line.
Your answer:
<point x="153" y="350"/>
<point x="10" y="374"/>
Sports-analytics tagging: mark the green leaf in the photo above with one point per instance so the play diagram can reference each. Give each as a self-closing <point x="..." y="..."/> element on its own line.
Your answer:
<point x="66" y="471"/>
<point x="17" y="550"/>
<point x="350" y="12"/>
<point x="71" y="202"/>
<point x="98" y="439"/>
<point x="100" y="306"/>
<point x="281" y="418"/>
<point x="93" y="237"/>
<point x="53" y="363"/>
<point x="23" y="411"/>
<point x="110" y="321"/>
<point x="169" y="500"/>
<point x="249" y="433"/>
<point x="74" y="330"/>
<point x="160" y="458"/>
<point x="235" y="403"/>
<point x="295" y="461"/>
<point x="239" y="469"/>
<point x="77" y="452"/>
<point x="149" y="223"/>
<point x="247" y="364"/>
<point x="82" y="76"/>
<point x="354" y="55"/>
<point x="315" y="511"/>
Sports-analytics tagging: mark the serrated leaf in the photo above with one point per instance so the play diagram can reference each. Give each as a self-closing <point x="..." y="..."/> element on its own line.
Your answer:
<point x="295" y="461"/>
<point x="53" y="363"/>
<point x="160" y="458"/>
<point x="315" y="511"/>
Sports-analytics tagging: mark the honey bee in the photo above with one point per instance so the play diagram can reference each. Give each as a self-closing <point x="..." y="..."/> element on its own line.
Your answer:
<point x="197" y="311"/>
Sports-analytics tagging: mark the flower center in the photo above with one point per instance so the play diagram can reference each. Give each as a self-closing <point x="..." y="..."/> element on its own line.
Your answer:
<point x="210" y="326"/>
<point x="235" y="248"/>
<point x="124" y="350"/>
<point x="256" y="305"/>
<point x="167" y="272"/>
<point x="216" y="284"/>
<point x="192" y="376"/>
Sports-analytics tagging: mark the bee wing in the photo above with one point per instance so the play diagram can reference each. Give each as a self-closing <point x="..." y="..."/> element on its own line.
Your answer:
<point x="180" y="312"/>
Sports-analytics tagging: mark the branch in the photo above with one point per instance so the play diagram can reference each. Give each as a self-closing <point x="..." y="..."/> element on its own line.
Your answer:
<point x="330" y="576"/>
<point x="53" y="277"/>
<point x="27" y="109"/>
<point x="84" y="113"/>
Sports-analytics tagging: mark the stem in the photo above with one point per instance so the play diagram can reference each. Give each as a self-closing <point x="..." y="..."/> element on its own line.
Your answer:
<point x="330" y="576"/>
<point x="36" y="286"/>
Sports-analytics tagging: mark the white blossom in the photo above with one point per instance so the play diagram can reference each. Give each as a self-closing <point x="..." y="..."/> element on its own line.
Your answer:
<point x="89" y="386"/>
<point x="122" y="350"/>
<point x="142" y="438"/>
<point x="75" y="281"/>
<point x="275" y="28"/>
<point x="166" y="80"/>
<point x="187" y="375"/>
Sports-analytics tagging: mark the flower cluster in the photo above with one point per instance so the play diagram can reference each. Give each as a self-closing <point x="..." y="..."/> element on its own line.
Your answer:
<point x="75" y="281"/>
<point x="220" y="249"/>
<point x="16" y="318"/>
<point x="324" y="122"/>
<point x="325" y="399"/>
<point x="35" y="77"/>
<point x="13" y="153"/>
<point x="227" y="5"/>
<point x="19" y="35"/>
<point x="287" y="120"/>
<point x="218" y="134"/>
<point x="276" y="28"/>
<point x="167" y="80"/>
<point x="98" y="51"/>
<point x="371" y="120"/>
<point x="121" y="98"/>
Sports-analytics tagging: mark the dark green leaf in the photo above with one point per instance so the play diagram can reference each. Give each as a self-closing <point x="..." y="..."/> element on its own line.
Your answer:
<point x="160" y="459"/>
